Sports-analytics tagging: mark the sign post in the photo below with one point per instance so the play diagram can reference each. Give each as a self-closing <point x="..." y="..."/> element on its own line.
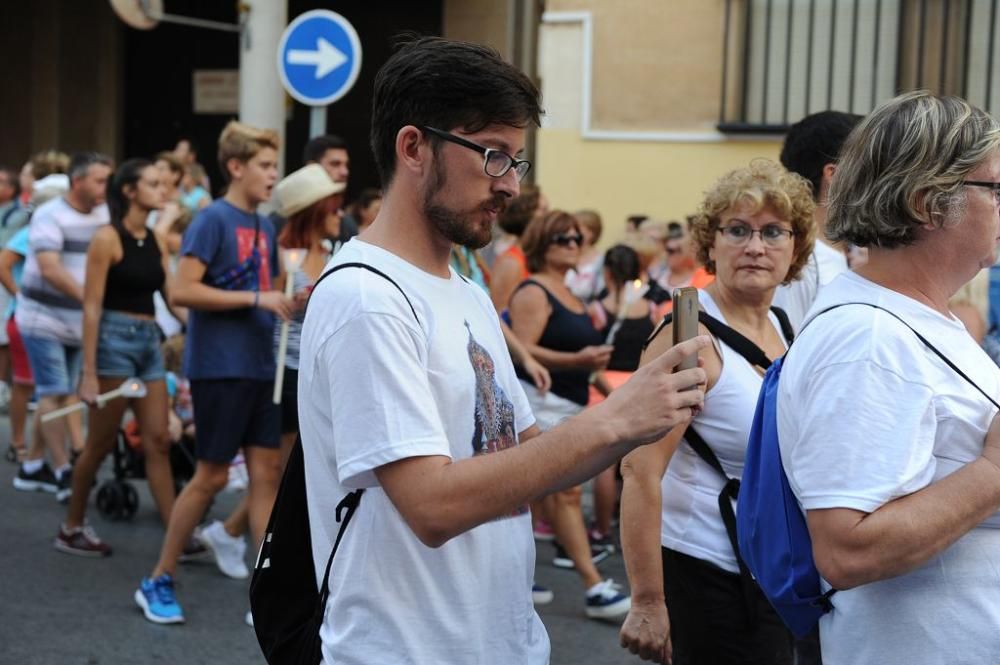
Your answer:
<point x="319" y="58"/>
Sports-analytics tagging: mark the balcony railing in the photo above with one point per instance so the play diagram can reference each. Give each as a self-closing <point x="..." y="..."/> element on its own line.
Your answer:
<point x="785" y="59"/>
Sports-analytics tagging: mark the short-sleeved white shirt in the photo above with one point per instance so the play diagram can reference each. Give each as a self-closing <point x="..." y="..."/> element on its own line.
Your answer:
<point x="796" y="298"/>
<point x="376" y="385"/>
<point x="868" y="414"/>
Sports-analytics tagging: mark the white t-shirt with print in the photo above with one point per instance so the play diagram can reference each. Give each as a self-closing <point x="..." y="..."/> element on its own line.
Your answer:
<point x="868" y="414"/>
<point x="377" y="385"/>
<point x="796" y="298"/>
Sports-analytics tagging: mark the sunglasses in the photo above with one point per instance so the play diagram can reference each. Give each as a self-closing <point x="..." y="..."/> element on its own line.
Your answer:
<point x="565" y="239"/>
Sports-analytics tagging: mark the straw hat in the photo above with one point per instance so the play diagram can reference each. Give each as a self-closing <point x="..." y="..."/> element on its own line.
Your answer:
<point x="300" y="189"/>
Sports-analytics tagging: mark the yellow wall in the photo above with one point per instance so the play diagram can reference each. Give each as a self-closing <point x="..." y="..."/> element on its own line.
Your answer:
<point x="617" y="179"/>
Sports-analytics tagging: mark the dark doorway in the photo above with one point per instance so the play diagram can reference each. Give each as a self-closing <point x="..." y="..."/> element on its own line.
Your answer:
<point x="159" y="65"/>
<point x="377" y="24"/>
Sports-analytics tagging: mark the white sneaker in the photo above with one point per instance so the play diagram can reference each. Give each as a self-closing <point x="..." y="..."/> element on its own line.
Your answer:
<point x="605" y="600"/>
<point x="239" y="479"/>
<point x="229" y="551"/>
<point x="248" y="619"/>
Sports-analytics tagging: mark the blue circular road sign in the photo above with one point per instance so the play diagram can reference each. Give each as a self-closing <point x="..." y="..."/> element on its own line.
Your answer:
<point x="319" y="57"/>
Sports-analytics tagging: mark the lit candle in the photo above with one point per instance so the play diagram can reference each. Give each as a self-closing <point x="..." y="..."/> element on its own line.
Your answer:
<point x="293" y="261"/>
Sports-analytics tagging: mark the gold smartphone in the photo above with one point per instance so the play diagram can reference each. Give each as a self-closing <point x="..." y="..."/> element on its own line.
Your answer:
<point x="685" y="321"/>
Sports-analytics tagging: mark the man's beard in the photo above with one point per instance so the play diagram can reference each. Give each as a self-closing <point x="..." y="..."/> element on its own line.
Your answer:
<point x="462" y="228"/>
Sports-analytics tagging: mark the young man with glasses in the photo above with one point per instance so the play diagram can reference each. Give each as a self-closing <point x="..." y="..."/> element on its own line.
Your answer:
<point x="407" y="390"/>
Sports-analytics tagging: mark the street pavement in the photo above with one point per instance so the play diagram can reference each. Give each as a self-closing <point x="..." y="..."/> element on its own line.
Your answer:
<point x="61" y="609"/>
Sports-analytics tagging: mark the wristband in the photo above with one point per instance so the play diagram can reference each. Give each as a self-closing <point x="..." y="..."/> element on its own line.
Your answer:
<point x="256" y="299"/>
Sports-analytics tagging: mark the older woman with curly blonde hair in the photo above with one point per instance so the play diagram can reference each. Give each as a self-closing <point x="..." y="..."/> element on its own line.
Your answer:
<point x="754" y="231"/>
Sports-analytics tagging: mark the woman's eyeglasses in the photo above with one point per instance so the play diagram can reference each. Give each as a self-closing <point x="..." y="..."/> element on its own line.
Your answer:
<point x="995" y="186"/>
<point x="566" y="239"/>
<point x="739" y="234"/>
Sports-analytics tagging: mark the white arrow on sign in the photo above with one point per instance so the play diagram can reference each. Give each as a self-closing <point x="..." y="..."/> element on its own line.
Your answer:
<point x="325" y="58"/>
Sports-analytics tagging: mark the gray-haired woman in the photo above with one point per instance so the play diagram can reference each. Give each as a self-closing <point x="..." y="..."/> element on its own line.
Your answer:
<point x="893" y="453"/>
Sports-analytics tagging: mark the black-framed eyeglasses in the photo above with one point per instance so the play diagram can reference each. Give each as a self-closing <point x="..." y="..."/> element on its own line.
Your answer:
<point x="995" y="186"/>
<point x="566" y="239"/>
<point x="496" y="163"/>
<point x="772" y="235"/>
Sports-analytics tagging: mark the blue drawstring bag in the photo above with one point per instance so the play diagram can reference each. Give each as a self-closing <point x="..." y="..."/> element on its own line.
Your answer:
<point x="771" y="528"/>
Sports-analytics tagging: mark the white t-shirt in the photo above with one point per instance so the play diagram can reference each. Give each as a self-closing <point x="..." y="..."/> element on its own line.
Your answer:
<point x="796" y="298"/>
<point x="42" y="309"/>
<point x="690" y="522"/>
<point x="868" y="414"/>
<point x="375" y="386"/>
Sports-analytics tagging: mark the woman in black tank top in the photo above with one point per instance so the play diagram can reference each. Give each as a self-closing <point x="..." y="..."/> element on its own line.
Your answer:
<point x="126" y="265"/>
<point x="557" y="330"/>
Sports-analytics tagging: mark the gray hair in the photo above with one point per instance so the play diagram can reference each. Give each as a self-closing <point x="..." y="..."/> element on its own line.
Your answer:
<point x="903" y="167"/>
<point x="82" y="161"/>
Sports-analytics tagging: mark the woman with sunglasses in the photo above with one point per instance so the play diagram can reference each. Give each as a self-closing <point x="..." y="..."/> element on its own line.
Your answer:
<point x="556" y="328"/>
<point x="754" y="231"/>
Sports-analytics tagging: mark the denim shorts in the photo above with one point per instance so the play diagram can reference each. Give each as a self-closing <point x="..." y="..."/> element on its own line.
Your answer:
<point x="55" y="365"/>
<point x="129" y="347"/>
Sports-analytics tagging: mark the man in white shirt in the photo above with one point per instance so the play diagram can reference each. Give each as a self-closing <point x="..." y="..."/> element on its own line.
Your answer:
<point x="414" y="398"/>
<point x="810" y="150"/>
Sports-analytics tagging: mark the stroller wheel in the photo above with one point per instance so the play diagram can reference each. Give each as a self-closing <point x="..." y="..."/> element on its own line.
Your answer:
<point x="131" y="503"/>
<point x="117" y="500"/>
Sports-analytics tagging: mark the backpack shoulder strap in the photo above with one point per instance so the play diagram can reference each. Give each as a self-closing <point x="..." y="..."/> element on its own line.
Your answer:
<point x="786" y="325"/>
<point x="947" y="361"/>
<point x="733" y="339"/>
<point x="365" y="266"/>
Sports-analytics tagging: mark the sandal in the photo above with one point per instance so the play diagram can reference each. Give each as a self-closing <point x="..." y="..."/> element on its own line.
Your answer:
<point x="15" y="454"/>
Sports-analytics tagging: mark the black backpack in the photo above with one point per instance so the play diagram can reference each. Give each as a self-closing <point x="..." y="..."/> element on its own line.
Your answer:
<point x="287" y="607"/>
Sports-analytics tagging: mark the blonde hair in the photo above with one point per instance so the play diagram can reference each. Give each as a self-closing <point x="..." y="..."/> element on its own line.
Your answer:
<point x="242" y="142"/>
<point x="47" y="162"/>
<point x="763" y="184"/>
<point x="903" y="167"/>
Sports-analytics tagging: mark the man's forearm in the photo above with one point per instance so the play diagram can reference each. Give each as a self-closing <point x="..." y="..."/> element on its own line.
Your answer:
<point x="453" y="497"/>
<point x="905" y="533"/>
<point x="197" y="295"/>
<point x="60" y="279"/>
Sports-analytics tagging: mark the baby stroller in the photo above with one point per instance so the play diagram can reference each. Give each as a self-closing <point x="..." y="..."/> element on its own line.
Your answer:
<point x="117" y="498"/>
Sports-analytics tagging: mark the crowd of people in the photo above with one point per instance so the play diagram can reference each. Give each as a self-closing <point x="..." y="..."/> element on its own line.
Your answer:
<point x="492" y="359"/>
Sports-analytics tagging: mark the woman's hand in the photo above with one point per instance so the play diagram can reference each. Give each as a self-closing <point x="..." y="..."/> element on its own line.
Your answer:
<point x="646" y="632"/>
<point x="595" y="358"/>
<point x="539" y="375"/>
<point x="89" y="389"/>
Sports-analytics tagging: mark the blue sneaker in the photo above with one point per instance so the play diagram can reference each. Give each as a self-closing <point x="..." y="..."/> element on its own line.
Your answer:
<point x="605" y="600"/>
<point x="157" y="600"/>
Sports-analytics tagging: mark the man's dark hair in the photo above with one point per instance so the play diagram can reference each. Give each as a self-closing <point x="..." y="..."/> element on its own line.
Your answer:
<point x="317" y="147"/>
<point x="192" y="143"/>
<point x="81" y="161"/>
<point x="13" y="177"/>
<point x="814" y="142"/>
<point x="446" y="84"/>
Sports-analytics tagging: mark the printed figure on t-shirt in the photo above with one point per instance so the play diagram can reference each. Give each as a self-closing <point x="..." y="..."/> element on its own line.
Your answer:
<point x="494" y="412"/>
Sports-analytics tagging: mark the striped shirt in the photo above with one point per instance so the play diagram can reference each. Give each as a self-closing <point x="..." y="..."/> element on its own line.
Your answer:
<point x="42" y="309"/>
